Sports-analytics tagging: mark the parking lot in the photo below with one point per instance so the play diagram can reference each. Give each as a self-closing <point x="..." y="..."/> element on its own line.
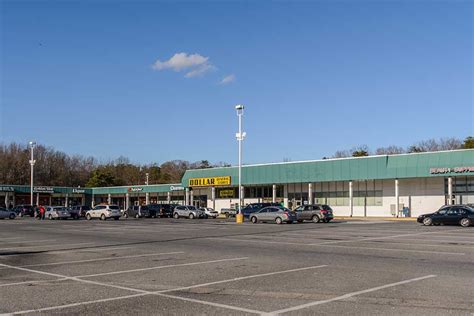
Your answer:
<point x="168" y="266"/>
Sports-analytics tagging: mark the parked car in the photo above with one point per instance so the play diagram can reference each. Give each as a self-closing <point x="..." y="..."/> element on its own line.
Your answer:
<point x="255" y="207"/>
<point x="163" y="210"/>
<point x="188" y="211"/>
<point x="449" y="215"/>
<point x="104" y="212"/>
<point x="314" y="212"/>
<point x="210" y="212"/>
<point x="57" y="212"/>
<point x="24" y="210"/>
<point x="6" y="213"/>
<point x="228" y="211"/>
<point x="139" y="211"/>
<point x="78" y="211"/>
<point x="277" y="214"/>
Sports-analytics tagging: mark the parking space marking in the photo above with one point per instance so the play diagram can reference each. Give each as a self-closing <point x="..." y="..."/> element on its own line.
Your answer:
<point x="349" y="295"/>
<point x="100" y="249"/>
<point x="45" y="246"/>
<point x="102" y="259"/>
<point x="340" y="246"/>
<point x="240" y="278"/>
<point x="32" y="282"/>
<point x="160" y="267"/>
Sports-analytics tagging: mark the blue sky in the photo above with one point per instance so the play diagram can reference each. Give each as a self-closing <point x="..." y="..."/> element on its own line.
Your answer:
<point x="315" y="76"/>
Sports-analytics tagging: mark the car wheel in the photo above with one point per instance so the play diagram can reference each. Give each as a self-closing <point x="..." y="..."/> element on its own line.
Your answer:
<point x="254" y="220"/>
<point x="465" y="222"/>
<point x="12" y="216"/>
<point x="88" y="217"/>
<point x="176" y="215"/>
<point x="278" y="220"/>
<point x="315" y="219"/>
<point x="137" y="216"/>
<point x="102" y="217"/>
<point x="427" y="221"/>
<point x="191" y="216"/>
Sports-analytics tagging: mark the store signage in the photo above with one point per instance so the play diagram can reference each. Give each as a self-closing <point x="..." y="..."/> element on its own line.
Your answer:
<point x="7" y="189"/>
<point x="226" y="193"/>
<point x="135" y="189"/>
<point x="78" y="191"/>
<point x="176" y="188"/>
<point x="43" y="189"/>
<point x="452" y="170"/>
<point x="208" y="182"/>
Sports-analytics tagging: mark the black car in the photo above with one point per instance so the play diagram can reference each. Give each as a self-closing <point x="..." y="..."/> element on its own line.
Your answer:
<point x="24" y="210"/>
<point x="79" y="211"/>
<point x="140" y="211"/>
<point x="163" y="210"/>
<point x="449" y="215"/>
<point x="255" y="207"/>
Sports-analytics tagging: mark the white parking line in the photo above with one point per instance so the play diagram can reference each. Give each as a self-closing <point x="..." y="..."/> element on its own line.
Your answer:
<point x="160" y="267"/>
<point x="102" y="259"/>
<point x="100" y="249"/>
<point x="349" y="295"/>
<point x="31" y="282"/>
<point x="45" y="246"/>
<point x="339" y="246"/>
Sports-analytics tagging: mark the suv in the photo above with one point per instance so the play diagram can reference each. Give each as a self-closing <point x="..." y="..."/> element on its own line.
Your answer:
<point x="79" y="211"/>
<point x="188" y="211"/>
<point x="24" y="210"/>
<point x="138" y="211"/>
<point x="255" y="207"/>
<point x="315" y="213"/>
<point x="104" y="212"/>
<point x="163" y="210"/>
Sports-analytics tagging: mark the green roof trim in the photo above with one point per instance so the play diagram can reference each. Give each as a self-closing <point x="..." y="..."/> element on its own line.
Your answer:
<point x="361" y="168"/>
<point x="137" y="189"/>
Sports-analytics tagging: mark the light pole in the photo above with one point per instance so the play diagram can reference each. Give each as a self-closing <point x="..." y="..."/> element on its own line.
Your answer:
<point x="240" y="137"/>
<point x="147" y="175"/>
<point x="32" y="164"/>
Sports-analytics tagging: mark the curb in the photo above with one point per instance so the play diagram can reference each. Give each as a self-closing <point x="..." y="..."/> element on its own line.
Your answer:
<point x="395" y="219"/>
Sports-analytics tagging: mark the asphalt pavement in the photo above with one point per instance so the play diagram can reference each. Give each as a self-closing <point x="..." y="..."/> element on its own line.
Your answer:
<point x="216" y="267"/>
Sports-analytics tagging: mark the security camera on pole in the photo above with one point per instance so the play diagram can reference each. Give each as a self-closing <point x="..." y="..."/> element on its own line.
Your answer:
<point x="32" y="164"/>
<point x="240" y="137"/>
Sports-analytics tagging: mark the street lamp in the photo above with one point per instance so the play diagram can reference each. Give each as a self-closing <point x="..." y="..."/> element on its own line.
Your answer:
<point x="240" y="137"/>
<point x="147" y="175"/>
<point x="32" y="164"/>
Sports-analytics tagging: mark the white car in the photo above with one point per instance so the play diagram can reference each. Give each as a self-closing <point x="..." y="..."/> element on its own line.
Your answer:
<point x="4" y="213"/>
<point x="104" y="212"/>
<point x="210" y="212"/>
<point x="57" y="212"/>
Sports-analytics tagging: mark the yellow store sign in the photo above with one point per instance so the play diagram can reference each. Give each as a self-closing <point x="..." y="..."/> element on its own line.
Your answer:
<point x="209" y="182"/>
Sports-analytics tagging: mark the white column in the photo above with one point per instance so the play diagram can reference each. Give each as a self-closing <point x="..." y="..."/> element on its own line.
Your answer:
<point x="191" y="197"/>
<point x="93" y="201"/>
<point x="274" y="193"/>
<point x="127" y="201"/>
<point x="186" y="197"/>
<point x="7" y="204"/>
<point x="397" y="198"/>
<point x="242" y="195"/>
<point x="37" y="198"/>
<point x="213" y="197"/>
<point x="147" y="198"/>
<point x="168" y="197"/>
<point x="450" y="190"/>
<point x="109" y="198"/>
<point x="310" y="193"/>
<point x="351" y="198"/>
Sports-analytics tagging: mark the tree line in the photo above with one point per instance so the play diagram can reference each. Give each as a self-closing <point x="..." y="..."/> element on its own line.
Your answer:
<point x="57" y="168"/>
<point x="429" y="145"/>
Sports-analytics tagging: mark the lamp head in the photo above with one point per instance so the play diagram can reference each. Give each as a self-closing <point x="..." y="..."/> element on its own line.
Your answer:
<point x="32" y="144"/>
<point x="239" y="107"/>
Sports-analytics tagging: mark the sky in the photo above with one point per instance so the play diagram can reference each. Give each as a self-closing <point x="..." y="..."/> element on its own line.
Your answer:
<point x="158" y="80"/>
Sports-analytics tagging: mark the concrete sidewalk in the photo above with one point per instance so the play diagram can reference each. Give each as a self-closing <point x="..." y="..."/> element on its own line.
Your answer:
<point x="376" y="218"/>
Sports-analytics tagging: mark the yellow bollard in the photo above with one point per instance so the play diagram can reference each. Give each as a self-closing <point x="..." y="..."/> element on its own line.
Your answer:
<point x="239" y="218"/>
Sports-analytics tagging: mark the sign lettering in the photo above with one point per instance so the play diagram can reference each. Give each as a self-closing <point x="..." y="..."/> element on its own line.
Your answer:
<point x="207" y="182"/>
<point x="452" y="170"/>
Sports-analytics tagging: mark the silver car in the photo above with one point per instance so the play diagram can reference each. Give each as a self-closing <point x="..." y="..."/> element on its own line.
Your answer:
<point x="209" y="212"/>
<point x="104" y="212"/>
<point x="188" y="211"/>
<point x="4" y="213"/>
<point x="277" y="214"/>
<point x="57" y="212"/>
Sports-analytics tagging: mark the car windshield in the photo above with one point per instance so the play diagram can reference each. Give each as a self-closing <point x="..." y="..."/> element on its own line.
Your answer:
<point x="191" y="208"/>
<point x="327" y="208"/>
<point x="113" y="207"/>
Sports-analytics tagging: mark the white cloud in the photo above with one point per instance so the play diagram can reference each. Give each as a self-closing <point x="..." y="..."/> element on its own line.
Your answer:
<point x="194" y="64"/>
<point x="228" y="79"/>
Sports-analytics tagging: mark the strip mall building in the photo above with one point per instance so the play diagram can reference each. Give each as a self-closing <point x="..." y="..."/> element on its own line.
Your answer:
<point x="366" y="186"/>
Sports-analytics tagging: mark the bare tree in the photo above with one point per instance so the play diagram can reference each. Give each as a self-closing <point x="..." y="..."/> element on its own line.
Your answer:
<point x="390" y="150"/>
